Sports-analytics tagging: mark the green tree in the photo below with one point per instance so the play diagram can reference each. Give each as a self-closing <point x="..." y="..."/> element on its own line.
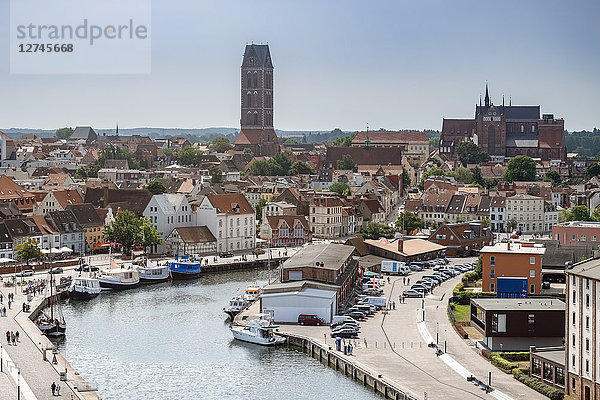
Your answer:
<point x="485" y="220"/>
<point x="376" y="230"/>
<point x="554" y="177"/>
<point x="470" y="153"/>
<point x="189" y="157"/>
<point x="90" y="171"/>
<point x="28" y="251"/>
<point x="216" y="175"/>
<point x="511" y="225"/>
<point x="220" y="144"/>
<point x="477" y="178"/>
<point x="409" y="221"/>
<point x="463" y="175"/>
<point x="260" y="168"/>
<point x="596" y="215"/>
<point x="344" y="141"/>
<point x="576" y="213"/>
<point x="156" y="187"/>
<point x="405" y="179"/>
<point x="124" y="229"/>
<point x="300" y="167"/>
<point x="520" y="168"/>
<point x="64" y="133"/>
<point x="434" y="142"/>
<point x="593" y="170"/>
<point x="117" y="153"/>
<point x="259" y="207"/>
<point x="281" y="163"/>
<point x="168" y="152"/>
<point x="346" y="163"/>
<point x="149" y="236"/>
<point x="290" y="141"/>
<point x="340" y="188"/>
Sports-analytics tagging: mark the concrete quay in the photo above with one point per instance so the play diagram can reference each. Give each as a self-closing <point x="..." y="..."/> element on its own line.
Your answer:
<point x="393" y="348"/>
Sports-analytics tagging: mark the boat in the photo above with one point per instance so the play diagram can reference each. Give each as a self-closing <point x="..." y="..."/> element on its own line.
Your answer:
<point x="118" y="279"/>
<point x="251" y="293"/>
<point x="257" y="331"/>
<point x="53" y="325"/>
<point x="154" y="274"/>
<point x="184" y="269"/>
<point x="82" y="288"/>
<point x="236" y="305"/>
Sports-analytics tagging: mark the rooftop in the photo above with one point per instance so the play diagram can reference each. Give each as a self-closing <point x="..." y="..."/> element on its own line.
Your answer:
<point x="516" y="248"/>
<point x="333" y="256"/>
<point x="589" y="269"/>
<point x="409" y="247"/>
<point x="580" y="224"/>
<point x="536" y="304"/>
<point x="556" y="356"/>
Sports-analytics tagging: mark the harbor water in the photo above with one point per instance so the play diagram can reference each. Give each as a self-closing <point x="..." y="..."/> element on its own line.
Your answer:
<point x="171" y="341"/>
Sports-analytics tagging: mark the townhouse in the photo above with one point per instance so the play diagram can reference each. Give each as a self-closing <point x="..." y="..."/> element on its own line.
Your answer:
<point x="325" y="217"/>
<point x="285" y="230"/>
<point x="57" y="200"/>
<point x="168" y="211"/>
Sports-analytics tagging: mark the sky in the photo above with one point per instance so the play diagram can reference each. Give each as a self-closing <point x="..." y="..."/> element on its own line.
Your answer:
<point x="347" y="64"/>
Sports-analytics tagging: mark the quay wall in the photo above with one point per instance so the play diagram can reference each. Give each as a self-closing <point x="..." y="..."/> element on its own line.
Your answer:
<point x="336" y="360"/>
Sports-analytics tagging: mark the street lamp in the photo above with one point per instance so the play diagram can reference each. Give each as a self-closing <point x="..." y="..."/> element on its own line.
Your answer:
<point x="437" y="333"/>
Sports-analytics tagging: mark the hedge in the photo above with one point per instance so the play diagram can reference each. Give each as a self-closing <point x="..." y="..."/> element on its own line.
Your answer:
<point x="538" y="386"/>
<point x="505" y="365"/>
<point x="514" y="355"/>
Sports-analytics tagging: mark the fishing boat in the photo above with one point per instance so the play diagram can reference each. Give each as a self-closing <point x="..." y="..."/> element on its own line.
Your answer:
<point x="236" y="305"/>
<point x="53" y="325"/>
<point x="258" y="331"/>
<point x="153" y="274"/>
<point x="119" y="279"/>
<point x="251" y="293"/>
<point x="184" y="269"/>
<point x="82" y="288"/>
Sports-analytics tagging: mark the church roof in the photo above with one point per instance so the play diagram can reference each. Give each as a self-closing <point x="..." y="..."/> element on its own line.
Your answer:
<point x="260" y="53"/>
<point x="514" y="113"/>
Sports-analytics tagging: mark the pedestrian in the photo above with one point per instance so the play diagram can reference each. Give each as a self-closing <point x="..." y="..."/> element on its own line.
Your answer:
<point x="408" y="281"/>
<point x="404" y="281"/>
<point x="388" y="279"/>
<point x="58" y="389"/>
<point x="1" y="298"/>
<point x="17" y="336"/>
<point x="8" y="336"/>
<point x="393" y="305"/>
<point x="12" y="337"/>
<point x="53" y="386"/>
<point x="9" y="303"/>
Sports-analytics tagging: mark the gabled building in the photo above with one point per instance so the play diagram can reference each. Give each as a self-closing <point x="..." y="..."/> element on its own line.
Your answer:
<point x="186" y="240"/>
<point x="230" y="218"/>
<point x="17" y="194"/>
<point x="57" y="200"/>
<point x="72" y="235"/>
<point x="285" y="230"/>
<point x="464" y="239"/>
<point x="84" y="133"/>
<point x="167" y="212"/>
<point x="90" y="221"/>
<point x="325" y="217"/>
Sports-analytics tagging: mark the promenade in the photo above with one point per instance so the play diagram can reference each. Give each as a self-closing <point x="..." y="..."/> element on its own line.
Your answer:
<point x="394" y="344"/>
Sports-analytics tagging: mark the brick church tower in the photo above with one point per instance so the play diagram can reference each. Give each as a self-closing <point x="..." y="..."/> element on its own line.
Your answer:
<point x="256" y="120"/>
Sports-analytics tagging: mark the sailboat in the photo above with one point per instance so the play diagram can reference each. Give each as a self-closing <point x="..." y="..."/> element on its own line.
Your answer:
<point x="53" y="325"/>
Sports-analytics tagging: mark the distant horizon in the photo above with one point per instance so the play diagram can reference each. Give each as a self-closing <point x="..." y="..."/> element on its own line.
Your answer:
<point x="384" y="64"/>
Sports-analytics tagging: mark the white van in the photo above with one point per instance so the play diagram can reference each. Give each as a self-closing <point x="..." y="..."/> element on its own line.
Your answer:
<point x="394" y="268"/>
<point x="342" y="319"/>
<point x="376" y="301"/>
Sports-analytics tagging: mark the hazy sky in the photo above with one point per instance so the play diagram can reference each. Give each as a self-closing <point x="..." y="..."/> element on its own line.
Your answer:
<point x="393" y="64"/>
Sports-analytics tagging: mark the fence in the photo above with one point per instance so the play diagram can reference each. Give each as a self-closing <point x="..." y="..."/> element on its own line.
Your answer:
<point x="8" y="367"/>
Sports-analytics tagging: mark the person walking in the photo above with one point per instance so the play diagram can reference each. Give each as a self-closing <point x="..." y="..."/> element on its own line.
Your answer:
<point x="8" y="336"/>
<point x="58" y="389"/>
<point x="17" y="336"/>
<point x="12" y="338"/>
<point x="53" y="387"/>
<point x="1" y="298"/>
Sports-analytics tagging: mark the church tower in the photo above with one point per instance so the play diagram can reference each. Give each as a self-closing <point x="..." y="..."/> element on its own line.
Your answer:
<point x="256" y="120"/>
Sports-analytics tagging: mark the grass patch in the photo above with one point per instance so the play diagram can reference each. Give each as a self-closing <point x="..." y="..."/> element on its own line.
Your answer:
<point x="461" y="312"/>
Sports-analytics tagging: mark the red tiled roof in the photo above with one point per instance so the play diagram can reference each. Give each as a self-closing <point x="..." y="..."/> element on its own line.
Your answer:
<point x="234" y="203"/>
<point x="390" y="137"/>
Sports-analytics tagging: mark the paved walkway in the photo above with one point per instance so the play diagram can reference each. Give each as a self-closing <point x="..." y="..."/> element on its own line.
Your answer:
<point x="27" y="354"/>
<point x="395" y="347"/>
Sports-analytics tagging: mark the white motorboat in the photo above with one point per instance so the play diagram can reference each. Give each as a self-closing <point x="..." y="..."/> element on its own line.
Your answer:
<point x="236" y="305"/>
<point x="251" y="293"/>
<point x="257" y="331"/>
<point x="119" y="279"/>
<point x="84" y="288"/>
<point x="154" y="274"/>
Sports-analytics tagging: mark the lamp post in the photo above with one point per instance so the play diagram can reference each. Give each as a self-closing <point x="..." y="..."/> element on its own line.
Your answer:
<point x="445" y="336"/>
<point x="437" y="333"/>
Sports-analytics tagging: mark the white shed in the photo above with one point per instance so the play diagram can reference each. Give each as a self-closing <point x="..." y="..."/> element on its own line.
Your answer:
<point x="288" y="300"/>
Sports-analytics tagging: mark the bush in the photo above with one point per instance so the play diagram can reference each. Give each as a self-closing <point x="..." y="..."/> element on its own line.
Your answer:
<point x="471" y="276"/>
<point x="505" y="365"/>
<point x="458" y="288"/>
<point x="538" y="386"/>
<point x="514" y="356"/>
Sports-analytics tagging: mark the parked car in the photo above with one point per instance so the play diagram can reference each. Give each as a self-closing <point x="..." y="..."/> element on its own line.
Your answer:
<point x="225" y="254"/>
<point x="346" y="325"/>
<point x="412" y="293"/>
<point x="426" y="284"/>
<point x="415" y="267"/>
<point x="344" y="333"/>
<point x="343" y="319"/>
<point x="420" y="288"/>
<point x="25" y="272"/>
<point x="514" y="236"/>
<point x="258" y="251"/>
<point x="86" y="268"/>
<point x="309" y="319"/>
<point x="545" y="285"/>
<point x="57" y="270"/>
<point x="357" y="315"/>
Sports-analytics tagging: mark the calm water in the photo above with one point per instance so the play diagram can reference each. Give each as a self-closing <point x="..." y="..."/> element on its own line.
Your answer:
<point x="171" y="341"/>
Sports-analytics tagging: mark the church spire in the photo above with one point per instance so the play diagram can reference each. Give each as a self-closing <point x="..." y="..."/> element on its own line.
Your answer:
<point x="487" y="96"/>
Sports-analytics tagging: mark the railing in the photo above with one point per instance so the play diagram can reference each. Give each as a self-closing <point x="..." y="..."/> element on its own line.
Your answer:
<point x="8" y="367"/>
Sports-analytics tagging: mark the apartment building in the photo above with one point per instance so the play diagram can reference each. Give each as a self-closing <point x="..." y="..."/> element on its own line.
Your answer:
<point x="325" y="217"/>
<point x="582" y="340"/>
<point x="528" y="211"/>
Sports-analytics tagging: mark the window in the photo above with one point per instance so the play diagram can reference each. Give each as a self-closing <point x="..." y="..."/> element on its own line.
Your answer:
<point x="587" y="283"/>
<point x="532" y="288"/>
<point x="587" y="323"/>
<point x="583" y="238"/>
<point x="531" y="323"/>
<point x="573" y="237"/>
<point x="548" y="372"/>
<point x="573" y="341"/>
<point x="573" y="363"/>
<point x="587" y="366"/>
<point x="492" y="260"/>
<point x="492" y="287"/>
<point x="573" y="318"/>
<point x="492" y="273"/>
<point x="574" y="297"/>
<point x="587" y="301"/>
<point x="587" y="345"/>
<point x="559" y="376"/>
<point x="593" y="238"/>
<point x="536" y="367"/>
<point x="532" y="273"/>
<point x="532" y="260"/>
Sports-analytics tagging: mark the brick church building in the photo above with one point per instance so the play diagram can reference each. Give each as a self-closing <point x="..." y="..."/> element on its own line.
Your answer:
<point x="506" y="131"/>
<point x="257" y="133"/>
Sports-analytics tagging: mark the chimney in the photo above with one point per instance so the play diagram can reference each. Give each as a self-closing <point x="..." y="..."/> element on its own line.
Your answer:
<point x="400" y="245"/>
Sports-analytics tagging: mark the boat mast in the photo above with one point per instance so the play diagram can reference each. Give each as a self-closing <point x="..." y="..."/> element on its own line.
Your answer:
<point x="51" y="301"/>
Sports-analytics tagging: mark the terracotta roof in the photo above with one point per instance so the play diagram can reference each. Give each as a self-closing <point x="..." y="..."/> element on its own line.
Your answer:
<point x="195" y="234"/>
<point x="410" y="247"/>
<point x="275" y="221"/>
<point x="362" y="155"/>
<point x="43" y="225"/>
<point x="67" y="197"/>
<point x="57" y="179"/>
<point x="390" y="137"/>
<point x="251" y="136"/>
<point x="455" y="126"/>
<point x="234" y="203"/>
